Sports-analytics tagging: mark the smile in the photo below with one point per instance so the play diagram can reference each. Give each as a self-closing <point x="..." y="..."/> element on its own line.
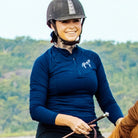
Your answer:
<point x="71" y="32"/>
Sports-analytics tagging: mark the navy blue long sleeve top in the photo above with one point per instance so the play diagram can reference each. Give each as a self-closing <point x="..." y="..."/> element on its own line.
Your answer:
<point x="65" y="83"/>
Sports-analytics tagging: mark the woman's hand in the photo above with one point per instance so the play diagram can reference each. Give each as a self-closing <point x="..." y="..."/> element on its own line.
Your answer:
<point x="76" y="124"/>
<point x="79" y="126"/>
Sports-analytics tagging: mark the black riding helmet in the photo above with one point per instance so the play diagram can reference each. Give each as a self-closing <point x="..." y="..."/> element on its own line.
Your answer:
<point x="64" y="10"/>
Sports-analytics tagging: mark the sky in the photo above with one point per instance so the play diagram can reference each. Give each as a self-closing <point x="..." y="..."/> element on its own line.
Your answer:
<point x="106" y="19"/>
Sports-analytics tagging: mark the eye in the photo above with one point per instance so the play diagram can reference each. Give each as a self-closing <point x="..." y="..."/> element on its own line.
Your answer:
<point x="76" y="20"/>
<point x="65" y="21"/>
<point x="73" y="20"/>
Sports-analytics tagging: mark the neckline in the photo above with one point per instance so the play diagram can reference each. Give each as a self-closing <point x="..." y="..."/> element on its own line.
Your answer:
<point x="65" y="52"/>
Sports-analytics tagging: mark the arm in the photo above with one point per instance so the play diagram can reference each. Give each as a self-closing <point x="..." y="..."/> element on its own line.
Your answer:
<point x="104" y="95"/>
<point x="38" y="93"/>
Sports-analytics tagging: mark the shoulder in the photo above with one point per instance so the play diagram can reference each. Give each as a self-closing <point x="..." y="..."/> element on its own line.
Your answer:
<point x="44" y="57"/>
<point x="43" y="60"/>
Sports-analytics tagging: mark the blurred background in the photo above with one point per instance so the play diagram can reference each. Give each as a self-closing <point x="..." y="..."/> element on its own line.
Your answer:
<point x="110" y="30"/>
<point x="106" y="20"/>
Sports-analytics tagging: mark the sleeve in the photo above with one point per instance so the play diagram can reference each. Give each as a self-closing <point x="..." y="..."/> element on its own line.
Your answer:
<point x="104" y="96"/>
<point x="38" y="93"/>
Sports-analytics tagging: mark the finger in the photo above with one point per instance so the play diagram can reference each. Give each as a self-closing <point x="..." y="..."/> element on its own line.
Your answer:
<point x="77" y="131"/>
<point x="82" y="131"/>
<point x="86" y="127"/>
<point x="81" y="127"/>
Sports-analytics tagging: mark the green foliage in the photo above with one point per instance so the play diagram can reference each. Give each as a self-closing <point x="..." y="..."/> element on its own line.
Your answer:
<point x="17" y="57"/>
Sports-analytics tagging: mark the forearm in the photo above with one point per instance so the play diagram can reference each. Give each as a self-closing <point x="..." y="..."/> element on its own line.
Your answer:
<point x="114" y="113"/>
<point x="42" y="114"/>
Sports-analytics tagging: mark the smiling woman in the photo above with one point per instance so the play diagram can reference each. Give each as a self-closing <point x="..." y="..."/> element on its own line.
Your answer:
<point x="68" y="30"/>
<point x="65" y="20"/>
<point x="66" y="77"/>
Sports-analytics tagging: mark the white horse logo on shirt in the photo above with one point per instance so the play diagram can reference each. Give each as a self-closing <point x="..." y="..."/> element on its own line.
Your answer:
<point x="87" y="63"/>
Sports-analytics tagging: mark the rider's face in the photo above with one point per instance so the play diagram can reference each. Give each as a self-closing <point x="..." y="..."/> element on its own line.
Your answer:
<point x="69" y="30"/>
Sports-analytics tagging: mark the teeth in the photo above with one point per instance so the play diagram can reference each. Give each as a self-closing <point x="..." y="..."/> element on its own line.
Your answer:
<point x="71" y="32"/>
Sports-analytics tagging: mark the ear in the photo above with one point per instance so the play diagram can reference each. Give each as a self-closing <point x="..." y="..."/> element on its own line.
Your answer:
<point x="52" y="27"/>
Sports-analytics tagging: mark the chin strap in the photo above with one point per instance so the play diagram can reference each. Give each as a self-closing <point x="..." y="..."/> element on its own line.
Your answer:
<point x="64" y="41"/>
<point x="70" y="42"/>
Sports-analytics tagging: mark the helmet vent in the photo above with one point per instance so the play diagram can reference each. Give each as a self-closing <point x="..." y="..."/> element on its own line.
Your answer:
<point x="71" y="7"/>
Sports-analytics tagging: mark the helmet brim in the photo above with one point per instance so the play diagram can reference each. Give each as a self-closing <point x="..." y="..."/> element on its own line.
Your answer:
<point x="70" y="17"/>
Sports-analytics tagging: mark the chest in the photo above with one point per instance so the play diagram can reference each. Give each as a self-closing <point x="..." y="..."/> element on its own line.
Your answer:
<point x="72" y="75"/>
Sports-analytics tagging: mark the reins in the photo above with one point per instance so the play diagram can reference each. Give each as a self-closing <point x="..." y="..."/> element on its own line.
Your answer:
<point x="90" y="123"/>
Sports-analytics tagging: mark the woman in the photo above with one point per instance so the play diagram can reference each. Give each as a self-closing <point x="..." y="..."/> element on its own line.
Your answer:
<point x="66" y="77"/>
<point x="128" y="127"/>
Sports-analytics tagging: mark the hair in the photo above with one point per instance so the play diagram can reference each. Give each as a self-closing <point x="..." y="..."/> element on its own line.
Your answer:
<point x="54" y="37"/>
<point x="53" y="34"/>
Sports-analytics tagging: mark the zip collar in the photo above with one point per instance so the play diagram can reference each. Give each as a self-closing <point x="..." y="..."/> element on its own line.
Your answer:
<point x="65" y="52"/>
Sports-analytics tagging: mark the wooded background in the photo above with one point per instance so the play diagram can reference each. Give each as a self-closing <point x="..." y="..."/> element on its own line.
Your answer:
<point x="17" y="56"/>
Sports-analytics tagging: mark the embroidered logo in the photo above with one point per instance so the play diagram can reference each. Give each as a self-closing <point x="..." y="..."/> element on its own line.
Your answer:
<point x="86" y="64"/>
<point x="71" y="7"/>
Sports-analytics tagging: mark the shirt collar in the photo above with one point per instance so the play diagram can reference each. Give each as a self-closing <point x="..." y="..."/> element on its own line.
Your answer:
<point x="66" y="52"/>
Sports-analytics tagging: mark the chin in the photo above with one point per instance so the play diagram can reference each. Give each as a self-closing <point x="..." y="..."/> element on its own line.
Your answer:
<point x="71" y="39"/>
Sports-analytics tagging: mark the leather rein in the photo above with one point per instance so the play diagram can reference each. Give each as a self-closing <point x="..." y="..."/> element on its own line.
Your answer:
<point x="90" y="123"/>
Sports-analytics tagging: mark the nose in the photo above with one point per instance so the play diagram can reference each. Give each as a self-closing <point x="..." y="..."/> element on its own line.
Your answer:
<point x="71" y="24"/>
